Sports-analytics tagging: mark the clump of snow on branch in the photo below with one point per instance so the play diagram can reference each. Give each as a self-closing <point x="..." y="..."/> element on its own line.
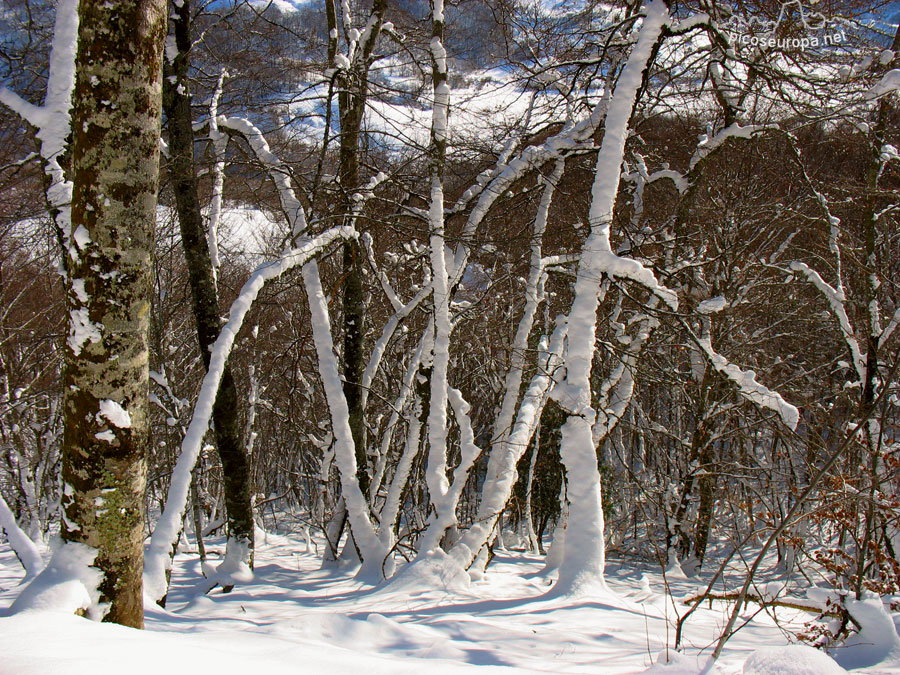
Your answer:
<point x="889" y="83"/>
<point x="115" y="414"/>
<point x="749" y="387"/>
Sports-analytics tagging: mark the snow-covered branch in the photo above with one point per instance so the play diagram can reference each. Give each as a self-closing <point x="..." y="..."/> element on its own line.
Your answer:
<point x="165" y="535"/>
<point x="219" y="142"/>
<point x="835" y="299"/>
<point x="21" y="543"/>
<point x="52" y="119"/>
<point x="749" y="387"/>
<point x="709" y="144"/>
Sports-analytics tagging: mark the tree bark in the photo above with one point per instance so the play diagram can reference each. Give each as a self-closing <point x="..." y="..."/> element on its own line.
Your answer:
<point x="874" y="169"/>
<point x="115" y="162"/>
<point x="352" y="96"/>
<point x="204" y="296"/>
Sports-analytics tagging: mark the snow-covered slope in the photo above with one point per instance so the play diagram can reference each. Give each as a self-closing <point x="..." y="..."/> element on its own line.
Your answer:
<point x="295" y="617"/>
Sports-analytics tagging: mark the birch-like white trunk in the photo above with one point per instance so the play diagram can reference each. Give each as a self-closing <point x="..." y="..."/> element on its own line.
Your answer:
<point x="582" y="565"/>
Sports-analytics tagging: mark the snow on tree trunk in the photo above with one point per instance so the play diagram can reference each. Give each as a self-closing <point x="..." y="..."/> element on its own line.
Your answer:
<point x="501" y="476"/>
<point x="52" y="119"/>
<point x="504" y="455"/>
<point x="391" y="507"/>
<point x="533" y="297"/>
<point x="201" y="274"/>
<point x="581" y="569"/>
<point x="21" y="543"/>
<point x="168" y="527"/>
<point x="365" y="537"/>
<point x="436" y="471"/>
<point x="446" y="505"/>
<point x="219" y="143"/>
<point x="115" y="163"/>
<point x="370" y="548"/>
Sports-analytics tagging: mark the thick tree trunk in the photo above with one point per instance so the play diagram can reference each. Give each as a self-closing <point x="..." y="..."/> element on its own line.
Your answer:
<point x="115" y="162"/>
<point x="583" y="562"/>
<point x="205" y="301"/>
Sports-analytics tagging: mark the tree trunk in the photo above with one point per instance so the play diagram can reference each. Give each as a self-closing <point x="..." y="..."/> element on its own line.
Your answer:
<point x="115" y="162"/>
<point x="872" y="433"/>
<point x="351" y="104"/>
<point x="584" y="556"/>
<point x="205" y="301"/>
<point x="353" y="85"/>
<point x="706" y="489"/>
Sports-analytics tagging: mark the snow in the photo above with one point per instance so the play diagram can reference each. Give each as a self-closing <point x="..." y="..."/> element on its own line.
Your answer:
<point x="791" y="660"/>
<point x="283" y="6"/>
<point x="219" y="146"/>
<point x="235" y="567"/>
<point x="877" y="640"/>
<point x="115" y="414"/>
<point x="500" y="477"/>
<point x="342" y="62"/>
<point x="436" y="467"/>
<point x="433" y="614"/>
<point x="681" y="183"/>
<point x="79" y="290"/>
<point x="708" y="144"/>
<point x="712" y="306"/>
<point x="433" y="571"/>
<point x="52" y="120"/>
<point x="169" y="525"/>
<point x="277" y="171"/>
<point x="835" y="298"/>
<point x="750" y="388"/>
<point x="430" y="618"/>
<point x="581" y="569"/>
<point x="81" y="330"/>
<point x="533" y="297"/>
<point x="25" y="549"/>
<point x="357" y="509"/>
<point x="171" y="49"/>
<point x="66" y="585"/>
<point x="890" y="82"/>
<point x="81" y="237"/>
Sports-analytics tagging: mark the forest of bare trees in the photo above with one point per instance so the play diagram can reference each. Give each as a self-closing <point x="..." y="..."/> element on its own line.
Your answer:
<point x="427" y="282"/>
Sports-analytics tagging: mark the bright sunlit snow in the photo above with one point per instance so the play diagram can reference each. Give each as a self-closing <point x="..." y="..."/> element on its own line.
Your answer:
<point x="295" y="617"/>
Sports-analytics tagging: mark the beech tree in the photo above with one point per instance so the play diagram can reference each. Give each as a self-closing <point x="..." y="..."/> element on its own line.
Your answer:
<point x="115" y="162"/>
<point x="201" y="271"/>
<point x="597" y="285"/>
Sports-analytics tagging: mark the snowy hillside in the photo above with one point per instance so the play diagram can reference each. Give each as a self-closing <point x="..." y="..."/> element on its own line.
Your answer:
<point x="294" y="615"/>
<point x="489" y="337"/>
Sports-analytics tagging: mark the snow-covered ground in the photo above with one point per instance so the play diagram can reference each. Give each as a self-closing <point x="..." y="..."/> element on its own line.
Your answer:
<point x="295" y="617"/>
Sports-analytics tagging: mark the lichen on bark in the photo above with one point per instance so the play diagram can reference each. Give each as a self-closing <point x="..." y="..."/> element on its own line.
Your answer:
<point x="115" y="162"/>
